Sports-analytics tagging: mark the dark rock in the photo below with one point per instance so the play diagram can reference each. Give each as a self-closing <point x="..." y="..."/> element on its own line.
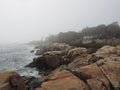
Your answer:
<point x="94" y="58"/>
<point x="32" y="82"/>
<point x="32" y="51"/>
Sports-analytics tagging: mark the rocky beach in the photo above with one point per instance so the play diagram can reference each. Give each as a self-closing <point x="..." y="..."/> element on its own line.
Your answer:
<point x="64" y="67"/>
<point x="59" y="45"/>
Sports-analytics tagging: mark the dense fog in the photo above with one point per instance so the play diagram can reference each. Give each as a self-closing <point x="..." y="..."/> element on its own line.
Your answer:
<point x="22" y="21"/>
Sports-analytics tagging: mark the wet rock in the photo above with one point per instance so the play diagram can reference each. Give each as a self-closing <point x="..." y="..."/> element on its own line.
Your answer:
<point x="46" y="61"/>
<point x="32" y="82"/>
<point x="32" y="51"/>
<point x="11" y="81"/>
<point x="53" y="59"/>
<point x="50" y="61"/>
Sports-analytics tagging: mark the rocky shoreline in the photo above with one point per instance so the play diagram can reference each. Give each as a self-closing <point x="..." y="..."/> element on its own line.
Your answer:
<point x="63" y="67"/>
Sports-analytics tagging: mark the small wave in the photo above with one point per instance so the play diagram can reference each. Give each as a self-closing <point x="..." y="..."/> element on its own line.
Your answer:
<point x="28" y="72"/>
<point x="15" y="57"/>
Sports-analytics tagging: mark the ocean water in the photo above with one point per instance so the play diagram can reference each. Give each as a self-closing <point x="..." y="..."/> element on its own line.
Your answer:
<point x="15" y="57"/>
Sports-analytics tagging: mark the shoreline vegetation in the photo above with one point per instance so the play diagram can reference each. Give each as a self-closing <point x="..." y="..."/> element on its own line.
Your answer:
<point x="86" y="60"/>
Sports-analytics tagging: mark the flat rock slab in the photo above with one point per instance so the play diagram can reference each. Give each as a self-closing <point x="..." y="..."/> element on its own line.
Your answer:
<point x="63" y="80"/>
<point x="111" y="69"/>
<point x="96" y="75"/>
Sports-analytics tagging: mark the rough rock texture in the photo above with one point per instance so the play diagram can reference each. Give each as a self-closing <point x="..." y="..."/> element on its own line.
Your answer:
<point x="52" y="47"/>
<point x="49" y="60"/>
<point x="63" y="80"/>
<point x="53" y="59"/>
<point x="83" y="60"/>
<point x="101" y="75"/>
<point x="111" y="68"/>
<point x="72" y="69"/>
<point x="96" y="84"/>
<point x="73" y="53"/>
<point x="107" y="51"/>
<point x="11" y="81"/>
<point x="83" y="71"/>
<point x="105" y="72"/>
<point x="78" y="62"/>
<point x="96" y="75"/>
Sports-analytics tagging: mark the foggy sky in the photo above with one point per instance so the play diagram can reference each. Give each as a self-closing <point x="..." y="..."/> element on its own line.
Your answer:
<point x="27" y="20"/>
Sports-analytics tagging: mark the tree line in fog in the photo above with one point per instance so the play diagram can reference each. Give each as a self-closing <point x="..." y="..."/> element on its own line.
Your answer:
<point x="100" y="32"/>
<point x="89" y="33"/>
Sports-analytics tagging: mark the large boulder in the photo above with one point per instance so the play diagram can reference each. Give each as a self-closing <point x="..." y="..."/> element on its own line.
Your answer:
<point x="73" y="53"/>
<point x="104" y="74"/>
<point x="111" y="69"/>
<point x="48" y="60"/>
<point x="53" y="59"/>
<point x="11" y="81"/>
<point x="78" y="62"/>
<point x="83" y="60"/>
<point x="98" y="81"/>
<point x="106" y="51"/>
<point x="63" y="80"/>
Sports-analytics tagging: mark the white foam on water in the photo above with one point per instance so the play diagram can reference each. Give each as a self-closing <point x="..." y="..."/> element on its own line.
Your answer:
<point x="15" y="57"/>
<point x="28" y="72"/>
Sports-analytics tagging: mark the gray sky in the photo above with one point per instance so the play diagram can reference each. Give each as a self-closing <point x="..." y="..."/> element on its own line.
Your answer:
<point x="26" y="20"/>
